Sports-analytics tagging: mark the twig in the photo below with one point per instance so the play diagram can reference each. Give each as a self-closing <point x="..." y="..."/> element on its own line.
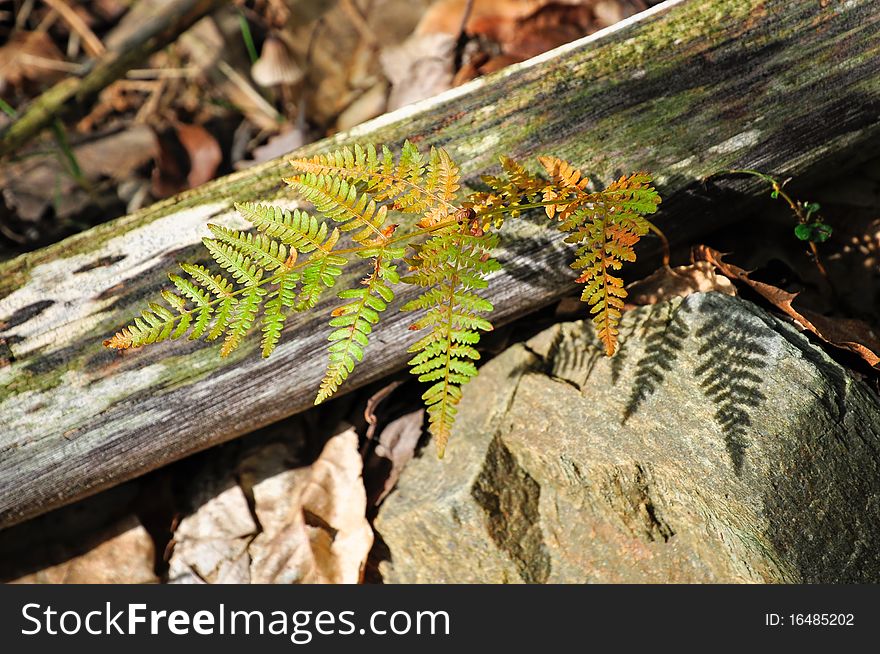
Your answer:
<point x="36" y="61"/>
<point x="360" y="22"/>
<point x="81" y="93"/>
<point x="23" y="14"/>
<point x="91" y="42"/>
<point x="461" y="40"/>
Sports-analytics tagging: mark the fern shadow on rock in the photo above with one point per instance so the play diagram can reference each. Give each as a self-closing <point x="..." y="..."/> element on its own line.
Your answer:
<point x="664" y="334"/>
<point x="732" y="357"/>
<point x="618" y="361"/>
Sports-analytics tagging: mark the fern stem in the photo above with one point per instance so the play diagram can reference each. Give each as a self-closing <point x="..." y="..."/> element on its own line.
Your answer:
<point x="450" y="310"/>
<point x="278" y="276"/>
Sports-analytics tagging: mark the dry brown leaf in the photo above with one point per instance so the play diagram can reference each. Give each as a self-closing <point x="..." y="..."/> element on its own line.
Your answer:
<point x="418" y="68"/>
<point x="396" y="448"/>
<point x="446" y="15"/>
<point x="204" y="153"/>
<point x="201" y="157"/>
<point x="314" y="524"/>
<point x="847" y="334"/>
<point x="211" y="543"/>
<point x="29" y="57"/>
<point x="666" y="283"/>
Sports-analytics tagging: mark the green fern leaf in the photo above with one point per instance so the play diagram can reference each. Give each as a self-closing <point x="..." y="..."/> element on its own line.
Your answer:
<point x="353" y="322"/>
<point x="449" y="264"/>
<point x="296" y="228"/>
<point x="339" y="200"/>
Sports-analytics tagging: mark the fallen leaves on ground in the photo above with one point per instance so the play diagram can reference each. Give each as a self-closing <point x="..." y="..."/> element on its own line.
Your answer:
<point x="34" y="184"/>
<point x="666" y="283"/>
<point x="508" y="31"/>
<point x="395" y="448"/>
<point x="187" y="166"/>
<point x="313" y="520"/>
<point x="272" y="523"/>
<point x="29" y="58"/>
<point x="845" y="333"/>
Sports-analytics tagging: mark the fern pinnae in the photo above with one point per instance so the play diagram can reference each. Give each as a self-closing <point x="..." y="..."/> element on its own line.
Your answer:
<point x="292" y="260"/>
<point x="449" y="265"/>
<point x="353" y="322"/>
<point x="402" y="182"/>
<point x="339" y="200"/>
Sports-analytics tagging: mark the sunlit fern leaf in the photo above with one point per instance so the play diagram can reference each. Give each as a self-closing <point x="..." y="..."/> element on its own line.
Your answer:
<point x="296" y="228"/>
<point x="441" y="181"/>
<point x="241" y="323"/>
<point x="339" y="200"/>
<point x="320" y="274"/>
<point x="220" y="301"/>
<point x="517" y="187"/>
<point x="179" y="303"/>
<point x="606" y="227"/>
<point x="274" y="314"/>
<point x="568" y="190"/>
<point x="449" y="258"/>
<point x="563" y="173"/>
<point x="449" y="265"/>
<point x="402" y="183"/>
<point x="222" y="317"/>
<point x="200" y="298"/>
<point x="239" y="265"/>
<point x="353" y="322"/>
<point x="264" y="251"/>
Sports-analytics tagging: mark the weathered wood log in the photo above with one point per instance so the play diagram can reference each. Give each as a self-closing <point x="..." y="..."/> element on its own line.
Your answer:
<point x="683" y="90"/>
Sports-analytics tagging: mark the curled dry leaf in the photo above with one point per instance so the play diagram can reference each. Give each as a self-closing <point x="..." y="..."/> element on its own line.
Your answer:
<point x="201" y="156"/>
<point x="396" y="447"/>
<point x="847" y="334"/>
<point x="272" y="523"/>
<point x="319" y="532"/>
<point x="666" y="283"/>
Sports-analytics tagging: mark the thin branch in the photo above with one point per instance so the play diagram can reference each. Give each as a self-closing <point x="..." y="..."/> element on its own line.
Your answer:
<point x="91" y="42"/>
<point x="79" y="94"/>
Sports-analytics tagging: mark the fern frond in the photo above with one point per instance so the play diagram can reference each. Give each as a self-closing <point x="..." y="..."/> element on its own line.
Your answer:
<point x="449" y="264"/>
<point x="507" y="193"/>
<point x="292" y="259"/>
<point x="563" y="173"/>
<point x="320" y="274"/>
<point x="410" y="185"/>
<point x="606" y="228"/>
<point x="353" y="322"/>
<point x="296" y="228"/>
<point x="339" y="200"/>
<point x="274" y="315"/>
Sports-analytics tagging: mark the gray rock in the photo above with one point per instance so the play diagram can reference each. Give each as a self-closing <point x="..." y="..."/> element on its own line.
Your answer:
<point x="718" y="445"/>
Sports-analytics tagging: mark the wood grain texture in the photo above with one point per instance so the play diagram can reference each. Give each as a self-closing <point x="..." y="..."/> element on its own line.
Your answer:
<point x="683" y="90"/>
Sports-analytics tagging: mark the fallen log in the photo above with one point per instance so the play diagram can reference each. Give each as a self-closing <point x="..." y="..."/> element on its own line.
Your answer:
<point x="683" y="90"/>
